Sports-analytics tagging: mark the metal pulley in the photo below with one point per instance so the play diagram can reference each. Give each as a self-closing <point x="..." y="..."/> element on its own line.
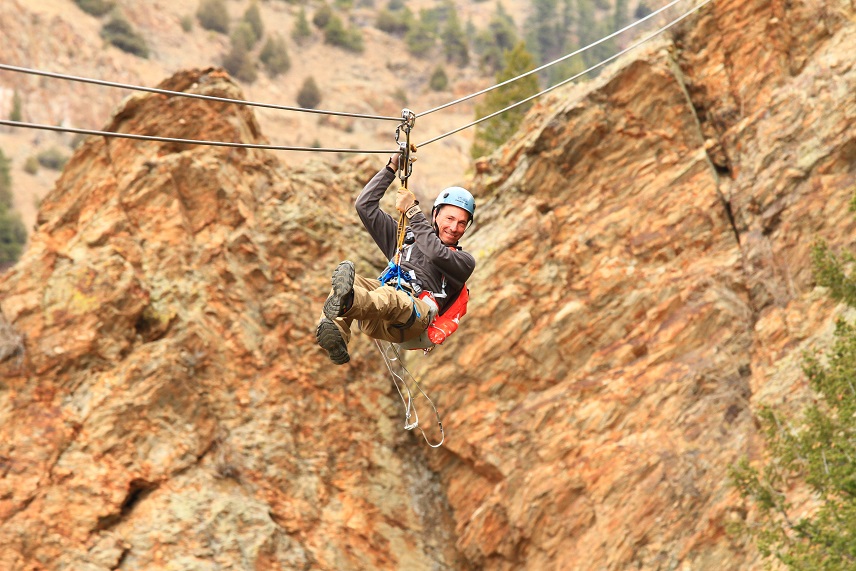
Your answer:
<point x="405" y="147"/>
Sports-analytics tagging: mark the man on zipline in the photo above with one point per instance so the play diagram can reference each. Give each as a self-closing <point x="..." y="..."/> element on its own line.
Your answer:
<point x="433" y="268"/>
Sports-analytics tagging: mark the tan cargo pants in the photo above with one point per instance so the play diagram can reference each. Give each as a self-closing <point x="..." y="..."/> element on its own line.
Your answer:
<point x="379" y="309"/>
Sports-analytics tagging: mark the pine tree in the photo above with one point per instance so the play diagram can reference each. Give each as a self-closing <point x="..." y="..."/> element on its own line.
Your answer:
<point x="213" y="15"/>
<point x="301" y="31"/>
<point x="274" y="55"/>
<point x="455" y="41"/>
<point x="439" y="80"/>
<point x="309" y="95"/>
<point x="16" y="114"/>
<point x="493" y="132"/>
<point x="322" y="16"/>
<point x="396" y="22"/>
<point x="5" y="182"/>
<point x="336" y="34"/>
<point x="421" y="37"/>
<point x="544" y="34"/>
<point x="239" y="62"/>
<point x="254" y="18"/>
<point x="622" y="14"/>
<point x="820" y="451"/>
<point x="119" y="32"/>
<point x="499" y="37"/>
<point x="590" y="31"/>
<point x="13" y="234"/>
<point x="95" y="8"/>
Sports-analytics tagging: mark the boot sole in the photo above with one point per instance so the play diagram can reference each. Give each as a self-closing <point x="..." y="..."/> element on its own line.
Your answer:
<point x="343" y="283"/>
<point x="329" y="338"/>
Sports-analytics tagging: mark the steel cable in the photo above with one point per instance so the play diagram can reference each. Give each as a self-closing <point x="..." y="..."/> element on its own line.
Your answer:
<point x="40" y="126"/>
<point x="51" y="74"/>
<point x="550" y="64"/>
<point x="564" y="82"/>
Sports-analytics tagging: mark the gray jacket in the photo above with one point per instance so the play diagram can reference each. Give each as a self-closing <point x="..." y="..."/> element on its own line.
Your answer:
<point x="438" y="268"/>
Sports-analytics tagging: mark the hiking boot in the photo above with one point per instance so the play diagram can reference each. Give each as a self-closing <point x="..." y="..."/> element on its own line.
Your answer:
<point x="342" y="297"/>
<point x="329" y="338"/>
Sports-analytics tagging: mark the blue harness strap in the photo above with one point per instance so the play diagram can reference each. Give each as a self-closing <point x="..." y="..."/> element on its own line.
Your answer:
<point x="393" y="273"/>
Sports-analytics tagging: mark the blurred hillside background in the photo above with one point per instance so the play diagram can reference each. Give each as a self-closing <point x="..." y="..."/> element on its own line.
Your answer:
<point x="359" y="56"/>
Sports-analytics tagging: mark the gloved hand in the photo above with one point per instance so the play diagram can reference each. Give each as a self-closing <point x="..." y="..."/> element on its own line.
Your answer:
<point x="394" y="161"/>
<point x="405" y="200"/>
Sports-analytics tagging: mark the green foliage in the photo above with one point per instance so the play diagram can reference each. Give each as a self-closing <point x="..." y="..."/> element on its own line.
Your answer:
<point x="95" y="8"/>
<point x="590" y="31"/>
<point x="5" y="182"/>
<point x="421" y="37"/>
<point x="400" y="96"/>
<point x="336" y="34"/>
<point x="493" y="132"/>
<point x="31" y="165"/>
<point x="829" y="272"/>
<point x="213" y="15"/>
<point x="186" y="23"/>
<point x="622" y="14"/>
<point x="642" y="10"/>
<point x="239" y="61"/>
<point x="253" y="17"/>
<point x="432" y="18"/>
<point x="301" y="31"/>
<point x="243" y="35"/>
<point x="17" y="113"/>
<point x="544" y="31"/>
<point x="309" y="95"/>
<point x="52" y="158"/>
<point x="454" y="40"/>
<point x="274" y="55"/>
<point x="322" y="16"/>
<point x="439" y="80"/>
<point x="396" y="22"/>
<point x="119" y="32"/>
<point x="13" y="234"/>
<point x="819" y="451"/>
<point x="499" y="37"/>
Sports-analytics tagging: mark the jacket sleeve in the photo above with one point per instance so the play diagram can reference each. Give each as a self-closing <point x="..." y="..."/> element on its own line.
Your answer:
<point x="456" y="264"/>
<point x="379" y="224"/>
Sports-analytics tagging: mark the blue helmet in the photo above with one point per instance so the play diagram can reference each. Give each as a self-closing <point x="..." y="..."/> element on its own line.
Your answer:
<point x="456" y="196"/>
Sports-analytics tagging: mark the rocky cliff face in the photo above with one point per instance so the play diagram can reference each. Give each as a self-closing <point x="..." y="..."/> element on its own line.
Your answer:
<point x="170" y="407"/>
<point x="643" y="285"/>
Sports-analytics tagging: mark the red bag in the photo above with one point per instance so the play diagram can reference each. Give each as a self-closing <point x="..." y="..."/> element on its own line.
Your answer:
<point x="447" y="323"/>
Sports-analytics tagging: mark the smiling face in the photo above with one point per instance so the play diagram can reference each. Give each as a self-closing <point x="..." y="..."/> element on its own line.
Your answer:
<point x="451" y="223"/>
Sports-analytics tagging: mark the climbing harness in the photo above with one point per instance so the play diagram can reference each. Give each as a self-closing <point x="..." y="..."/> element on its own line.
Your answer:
<point x="390" y="356"/>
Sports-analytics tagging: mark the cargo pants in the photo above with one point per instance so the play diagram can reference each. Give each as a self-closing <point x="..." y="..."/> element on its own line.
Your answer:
<point x="379" y="308"/>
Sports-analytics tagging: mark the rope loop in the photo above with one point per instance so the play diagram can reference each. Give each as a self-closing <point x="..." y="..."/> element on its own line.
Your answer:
<point x="391" y="355"/>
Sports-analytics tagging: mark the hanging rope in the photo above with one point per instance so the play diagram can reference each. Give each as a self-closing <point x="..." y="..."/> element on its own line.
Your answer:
<point x="391" y="355"/>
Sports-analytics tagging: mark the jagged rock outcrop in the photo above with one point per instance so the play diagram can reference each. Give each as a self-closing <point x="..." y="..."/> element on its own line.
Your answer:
<point x="643" y="284"/>
<point x="171" y="407"/>
<point x="648" y="284"/>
